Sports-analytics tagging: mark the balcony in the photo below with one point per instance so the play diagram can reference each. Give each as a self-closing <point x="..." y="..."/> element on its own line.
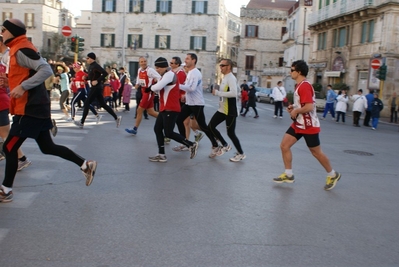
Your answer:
<point x="344" y="7"/>
<point x="277" y="71"/>
<point x="288" y="36"/>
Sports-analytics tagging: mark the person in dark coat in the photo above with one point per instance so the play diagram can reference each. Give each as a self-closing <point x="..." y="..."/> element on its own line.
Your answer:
<point x="376" y="107"/>
<point x="251" y="101"/>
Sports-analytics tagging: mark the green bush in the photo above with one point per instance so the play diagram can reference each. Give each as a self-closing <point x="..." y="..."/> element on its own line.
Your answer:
<point x="317" y="87"/>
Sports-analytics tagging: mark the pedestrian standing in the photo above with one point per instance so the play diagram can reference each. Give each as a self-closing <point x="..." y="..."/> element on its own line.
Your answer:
<point x="376" y="107"/>
<point x="359" y="106"/>
<point x="30" y="107"/>
<point x="342" y="105"/>
<point x="369" y="98"/>
<point x="244" y="99"/>
<point x="127" y="91"/>
<point x="393" y="104"/>
<point x="305" y="124"/>
<point x="278" y="95"/>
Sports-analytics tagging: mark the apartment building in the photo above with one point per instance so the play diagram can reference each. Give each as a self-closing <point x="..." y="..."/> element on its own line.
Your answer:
<point x="261" y="55"/>
<point x="122" y="31"/>
<point x="43" y="19"/>
<point x="346" y="36"/>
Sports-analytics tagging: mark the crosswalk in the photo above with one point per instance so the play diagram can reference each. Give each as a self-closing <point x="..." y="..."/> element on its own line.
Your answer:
<point x="28" y="180"/>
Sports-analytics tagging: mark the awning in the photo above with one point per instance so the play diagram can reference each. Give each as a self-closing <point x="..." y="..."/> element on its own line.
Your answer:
<point x="332" y="73"/>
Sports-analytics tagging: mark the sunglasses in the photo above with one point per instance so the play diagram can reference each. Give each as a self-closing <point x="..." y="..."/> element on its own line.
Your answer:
<point x="292" y="70"/>
<point x="3" y="30"/>
<point x="172" y="63"/>
<point x="221" y="65"/>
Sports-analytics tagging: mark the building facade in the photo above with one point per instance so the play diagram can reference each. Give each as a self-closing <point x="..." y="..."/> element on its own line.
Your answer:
<point x="261" y="54"/>
<point x="126" y="30"/>
<point x="346" y="36"/>
<point x="43" y="19"/>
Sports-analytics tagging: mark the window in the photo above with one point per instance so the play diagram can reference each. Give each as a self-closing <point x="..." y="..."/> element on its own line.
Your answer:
<point x="199" y="7"/>
<point x="7" y="15"/>
<point x="251" y="31"/>
<point x="281" y="62"/>
<point x="136" y="5"/>
<point x="109" y="5"/>
<point x="249" y="62"/>
<point x="164" y="6"/>
<point x="135" y="41"/>
<point x="367" y="31"/>
<point x="29" y="20"/>
<point x="198" y="43"/>
<point x="162" y="41"/>
<point x="107" y="40"/>
<point x="322" y="41"/>
<point x="340" y="37"/>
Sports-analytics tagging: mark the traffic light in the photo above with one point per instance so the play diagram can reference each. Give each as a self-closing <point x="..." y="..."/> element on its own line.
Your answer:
<point x="81" y="44"/>
<point x="382" y="72"/>
<point x="74" y="44"/>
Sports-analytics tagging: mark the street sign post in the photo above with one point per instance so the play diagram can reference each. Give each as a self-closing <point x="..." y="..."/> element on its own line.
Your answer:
<point x="66" y="31"/>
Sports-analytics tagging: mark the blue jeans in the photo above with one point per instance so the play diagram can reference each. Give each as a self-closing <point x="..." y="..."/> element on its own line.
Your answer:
<point x="329" y="107"/>
<point x="374" y="122"/>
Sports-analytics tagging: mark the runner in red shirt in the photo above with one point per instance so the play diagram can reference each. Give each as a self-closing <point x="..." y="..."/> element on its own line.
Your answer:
<point x="145" y="78"/>
<point x="306" y="124"/>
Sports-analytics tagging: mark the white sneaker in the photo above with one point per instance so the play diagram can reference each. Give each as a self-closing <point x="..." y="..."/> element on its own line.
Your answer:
<point x="180" y="148"/>
<point x="23" y="164"/>
<point x="215" y="152"/>
<point x="118" y="121"/>
<point x="226" y="148"/>
<point x="275" y="116"/>
<point x="98" y="118"/>
<point x="158" y="158"/>
<point x="238" y="157"/>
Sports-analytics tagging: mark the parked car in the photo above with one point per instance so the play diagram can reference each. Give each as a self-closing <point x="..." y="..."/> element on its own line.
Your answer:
<point x="264" y="95"/>
<point x="320" y="102"/>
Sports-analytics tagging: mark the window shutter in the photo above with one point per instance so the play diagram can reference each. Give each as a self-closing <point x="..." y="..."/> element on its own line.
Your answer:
<point x="256" y="31"/>
<point x="114" y="6"/>
<point x="246" y="30"/>
<point x="191" y="42"/>
<point x="206" y="7"/>
<point x="204" y="43"/>
<point x="140" y="44"/>
<point x="170" y="7"/>
<point x="156" y="41"/>
<point x="129" y="40"/>
<point x="142" y="6"/>
<point x="130" y="6"/>
<point x="193" y="7"/>
<point x="102" y="40"/>
<point x="104" y="5"/>
<point x="113" y="40"/>
<point x="158" y="6"/>
<point x="168" y="42"/>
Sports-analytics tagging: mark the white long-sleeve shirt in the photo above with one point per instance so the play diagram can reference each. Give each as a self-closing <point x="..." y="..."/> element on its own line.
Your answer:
<point x="279" y="93"/>
<point x="193" y="88"/>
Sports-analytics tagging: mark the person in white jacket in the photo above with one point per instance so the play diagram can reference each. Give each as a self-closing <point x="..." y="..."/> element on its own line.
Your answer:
<point x="278" y="95"/>
<point x="342" y="105"/>
<point x="359" y="106"/>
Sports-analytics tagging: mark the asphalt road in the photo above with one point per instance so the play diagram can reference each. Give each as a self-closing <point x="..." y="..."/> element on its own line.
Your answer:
<point x="202" y="211"/>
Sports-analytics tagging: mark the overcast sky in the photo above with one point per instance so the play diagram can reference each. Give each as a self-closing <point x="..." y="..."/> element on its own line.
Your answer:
<point x="77" y="5"/>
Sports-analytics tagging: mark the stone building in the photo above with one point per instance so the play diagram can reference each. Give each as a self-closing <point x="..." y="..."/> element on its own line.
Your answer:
<point x="346" y="36"/>
<point x="43" y="19"/>
<point x="122" y="33"/>
<point x="261" y="54"/>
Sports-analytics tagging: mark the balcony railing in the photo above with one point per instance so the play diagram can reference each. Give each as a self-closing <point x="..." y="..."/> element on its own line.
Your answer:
<point x="344" y="7"/>
<point x="288" y="36"/>
<point x="278" y="71"/>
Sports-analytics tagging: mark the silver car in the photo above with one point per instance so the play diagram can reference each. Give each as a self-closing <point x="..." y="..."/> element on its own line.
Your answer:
<point x="264" y="95"/>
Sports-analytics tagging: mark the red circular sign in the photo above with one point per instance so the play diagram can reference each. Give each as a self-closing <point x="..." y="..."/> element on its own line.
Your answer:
<point x="375" y="64"/>
<point x="66" y="31"/>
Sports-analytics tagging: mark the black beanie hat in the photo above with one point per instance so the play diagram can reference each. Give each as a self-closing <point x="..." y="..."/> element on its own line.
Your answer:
<point x="14" y="29"/>
<point x="91" y="55"/>
<point x="161" y="62"/>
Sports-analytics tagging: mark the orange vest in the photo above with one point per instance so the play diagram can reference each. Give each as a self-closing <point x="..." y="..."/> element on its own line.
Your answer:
<point x="34" y="102"/>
